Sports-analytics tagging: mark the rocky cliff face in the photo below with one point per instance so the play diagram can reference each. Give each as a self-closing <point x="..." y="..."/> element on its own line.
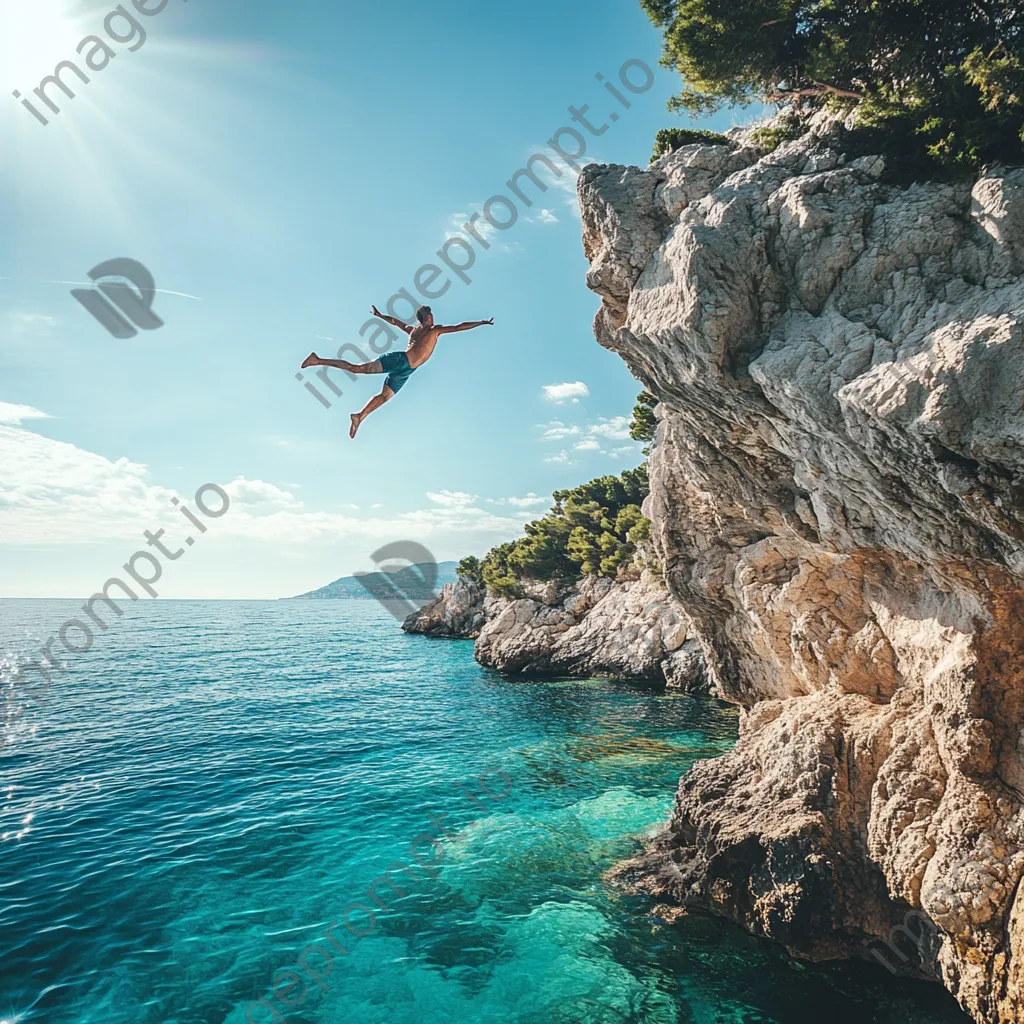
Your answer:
<point x="458" y="611"/>
<point x="631" y="630"/>
<point x="838" y="498"/>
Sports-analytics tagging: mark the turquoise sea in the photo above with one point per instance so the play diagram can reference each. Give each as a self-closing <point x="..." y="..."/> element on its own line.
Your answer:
<point x="200" y="799"/>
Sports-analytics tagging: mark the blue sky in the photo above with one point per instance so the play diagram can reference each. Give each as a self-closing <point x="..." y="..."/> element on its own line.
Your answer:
<point x="281" y="168"/>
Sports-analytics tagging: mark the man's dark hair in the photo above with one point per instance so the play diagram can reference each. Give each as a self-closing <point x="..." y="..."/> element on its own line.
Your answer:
<point x="422" y="313"/>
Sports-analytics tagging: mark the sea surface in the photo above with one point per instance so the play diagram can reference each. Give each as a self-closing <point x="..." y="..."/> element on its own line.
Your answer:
<point x="208" y="794"/>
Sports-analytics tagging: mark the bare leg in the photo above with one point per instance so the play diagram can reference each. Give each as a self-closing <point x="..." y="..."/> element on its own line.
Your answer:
<point x="341" y="364"/>
<point x="374" y="403"/>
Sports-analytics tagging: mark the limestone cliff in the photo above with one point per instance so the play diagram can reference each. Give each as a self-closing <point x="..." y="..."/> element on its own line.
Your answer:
<point x="458" y="611"/>
<point x="836" y="496"/>
<point x="629" y="629"/>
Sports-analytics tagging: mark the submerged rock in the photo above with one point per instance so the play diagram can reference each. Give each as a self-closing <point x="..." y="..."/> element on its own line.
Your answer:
<point x="837" y="494"/>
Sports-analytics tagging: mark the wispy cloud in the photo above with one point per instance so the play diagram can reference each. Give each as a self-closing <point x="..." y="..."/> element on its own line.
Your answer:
<point x="544" y="217"/>
<point x="589" y="437"/>
<point x="260" y="494"/>
<point x="560" y="457"/>
<point x="565" y="183"/>
<point x="14" y="415"/>
<point x="616" y="428"/>
<point x="23" y="323"/>
<point x="527" y="501"/>
<point x="563" y="392"/>
<point x="452" y="499"/>
<point x="54" y="493"/>
<point x="630" y="449"/>
<point x="483" y="227"/>
<point x="556" y="430"/>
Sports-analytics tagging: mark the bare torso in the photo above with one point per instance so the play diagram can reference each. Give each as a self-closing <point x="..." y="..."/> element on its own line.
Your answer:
<point x="422" y="340"/>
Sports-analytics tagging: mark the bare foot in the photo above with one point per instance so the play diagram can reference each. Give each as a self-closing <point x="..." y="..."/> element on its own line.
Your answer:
<point x="311" y="360"/>
<point x="355" y="424"/>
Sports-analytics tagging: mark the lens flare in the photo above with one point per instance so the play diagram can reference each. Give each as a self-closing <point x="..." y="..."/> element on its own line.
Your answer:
<point x="35" y="37"/>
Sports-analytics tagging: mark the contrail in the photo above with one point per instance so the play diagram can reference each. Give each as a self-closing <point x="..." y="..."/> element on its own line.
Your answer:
<point x="89" y="284"/>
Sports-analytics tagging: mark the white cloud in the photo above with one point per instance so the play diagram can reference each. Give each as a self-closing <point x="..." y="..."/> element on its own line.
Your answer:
<point x="561" y="392"/>
<point x="565" y="182"/>
<point x="556" y="430"/>
<point x="258" y="493"/>
<point x="591" y="436"/>
<point x="13" y="415"/>
<point x="524" y="502"/>
<point x="545" y="217"/>
<point x="616" y="428"/>
<point x="53" y="493"/>
<point x="20" y="322"/>
<point x="452" y="499"/>
<point x="482" y="226"/>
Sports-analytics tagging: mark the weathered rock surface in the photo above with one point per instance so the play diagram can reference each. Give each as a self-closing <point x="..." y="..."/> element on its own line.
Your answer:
<point x="630" y="630"/>
<point x="457" y="612"/>
<point x="836" y="494"/>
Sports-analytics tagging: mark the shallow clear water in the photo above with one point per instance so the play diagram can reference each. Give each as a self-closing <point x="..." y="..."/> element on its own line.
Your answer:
<point x="205" y="794"/>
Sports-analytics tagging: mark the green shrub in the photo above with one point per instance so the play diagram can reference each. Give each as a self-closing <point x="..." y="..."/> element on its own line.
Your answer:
<point x="643" y="424"/>
<point x="498" y="574"/>
<point x="470" y="569"/>
<point x="592" y="529"/>
<point x="668" y="140"/>
<point x="786" y="129"/>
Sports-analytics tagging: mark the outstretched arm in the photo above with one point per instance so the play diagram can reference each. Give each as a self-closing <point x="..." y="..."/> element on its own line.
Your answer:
<point x="391" y="320"/>
<point x="467" y="326"/>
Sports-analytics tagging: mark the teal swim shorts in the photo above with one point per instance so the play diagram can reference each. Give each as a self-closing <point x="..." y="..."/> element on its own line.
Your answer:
<point x="396" y="366"/>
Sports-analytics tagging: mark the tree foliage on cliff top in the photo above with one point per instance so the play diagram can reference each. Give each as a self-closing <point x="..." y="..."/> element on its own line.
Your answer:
<point x="937" y="84"/>
<point x="592" y="529"/>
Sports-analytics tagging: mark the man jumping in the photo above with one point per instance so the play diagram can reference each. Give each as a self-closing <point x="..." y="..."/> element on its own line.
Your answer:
<point x="398" y="366"/>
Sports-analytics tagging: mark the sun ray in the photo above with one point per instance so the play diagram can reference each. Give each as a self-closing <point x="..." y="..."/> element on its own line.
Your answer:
<point x="35" y="37"/>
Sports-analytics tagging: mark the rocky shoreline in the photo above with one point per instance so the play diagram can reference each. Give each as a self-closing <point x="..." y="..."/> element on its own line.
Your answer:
<point x="629" y="629"/>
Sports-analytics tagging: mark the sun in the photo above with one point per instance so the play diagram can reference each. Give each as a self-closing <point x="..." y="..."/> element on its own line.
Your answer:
<point x="35" y="35"/>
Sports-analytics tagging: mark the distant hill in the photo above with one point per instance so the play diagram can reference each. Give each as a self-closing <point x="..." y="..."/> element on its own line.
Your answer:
<point x="382" y="586"/>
